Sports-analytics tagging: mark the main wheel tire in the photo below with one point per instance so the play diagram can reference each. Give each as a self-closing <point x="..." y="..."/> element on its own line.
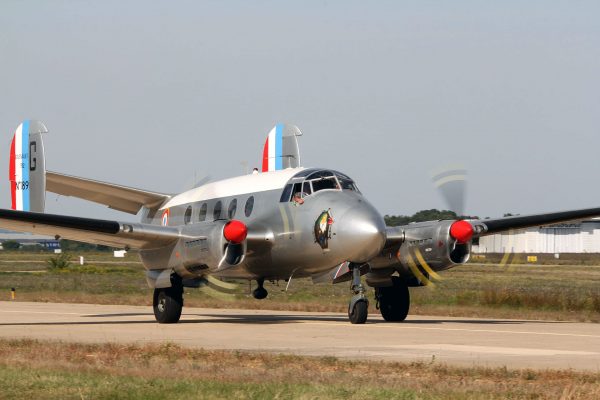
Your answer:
<point x="394" y="301"/>
<point x="168" y="303"/>
<point x="260" y="293"/>
<point x="358" y="314"/>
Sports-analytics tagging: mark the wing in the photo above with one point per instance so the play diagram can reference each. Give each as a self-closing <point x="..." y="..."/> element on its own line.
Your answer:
<point x="483" y="227"/>
<point x="491" y="226"/>
<point x="97" y="231"/>
<point x="114" y="196"/>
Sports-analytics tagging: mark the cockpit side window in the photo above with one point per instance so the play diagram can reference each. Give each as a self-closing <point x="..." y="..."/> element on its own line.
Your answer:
<point x="287" y="193"/>
<point x="297" y="191"/>
<point x="306" y="188"/>
<point x="346" y="183"/>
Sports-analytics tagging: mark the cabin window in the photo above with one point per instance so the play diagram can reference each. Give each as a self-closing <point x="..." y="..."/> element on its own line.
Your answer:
<point x="249" y="206"/>
<point x="217" y="210"/>
<point x="187" y="217"/>
<point x="232" y="209"/>
<point x="203" y="210"/>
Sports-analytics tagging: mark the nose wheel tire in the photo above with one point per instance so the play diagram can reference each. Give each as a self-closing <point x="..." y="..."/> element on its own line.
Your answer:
<point x="394" y="301"/>
<point x="167" y="304"/>
<point x="260" y="292"/>
<point x="358" y="311"/>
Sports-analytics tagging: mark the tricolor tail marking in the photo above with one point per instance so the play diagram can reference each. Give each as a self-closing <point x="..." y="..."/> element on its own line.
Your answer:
<point x="19" y="168"/>
<point x="273" y="150"/>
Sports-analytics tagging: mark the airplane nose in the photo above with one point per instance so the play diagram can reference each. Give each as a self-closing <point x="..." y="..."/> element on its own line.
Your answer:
<point x="360" y="233"/>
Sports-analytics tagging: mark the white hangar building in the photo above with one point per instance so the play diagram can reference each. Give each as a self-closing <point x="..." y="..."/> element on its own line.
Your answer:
<point x="580" y="237"/>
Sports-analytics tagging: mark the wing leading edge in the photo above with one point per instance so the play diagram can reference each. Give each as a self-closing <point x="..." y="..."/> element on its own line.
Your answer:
<point x="97" y="231"/>
<point x="492" y="226"/>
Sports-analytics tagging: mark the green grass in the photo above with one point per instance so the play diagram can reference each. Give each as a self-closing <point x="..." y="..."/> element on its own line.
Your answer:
<point x="51" y="384"/>
<point x="49" y="370"/>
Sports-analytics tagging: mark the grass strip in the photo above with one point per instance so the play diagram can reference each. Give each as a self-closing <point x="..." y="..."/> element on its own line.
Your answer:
<point x="40" y="369"/>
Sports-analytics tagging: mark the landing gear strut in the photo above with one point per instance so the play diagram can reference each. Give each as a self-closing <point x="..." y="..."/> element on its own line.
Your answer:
<point x="168" y="302"/>
<point x="358" y="309"/>
<point x="260" y="292"/>
<point x="393" y="301"/>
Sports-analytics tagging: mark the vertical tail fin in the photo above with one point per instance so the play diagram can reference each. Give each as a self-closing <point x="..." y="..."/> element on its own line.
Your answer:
<point x="281" y="148"/>
<point x="27" y="168"/>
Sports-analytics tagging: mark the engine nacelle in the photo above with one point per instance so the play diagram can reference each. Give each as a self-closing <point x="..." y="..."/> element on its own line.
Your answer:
<point x="202" y="248"/>
<point x="429" y="245"/>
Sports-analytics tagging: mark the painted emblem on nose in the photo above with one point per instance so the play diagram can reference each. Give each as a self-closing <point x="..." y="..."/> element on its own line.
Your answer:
<point x="323" y="229"/>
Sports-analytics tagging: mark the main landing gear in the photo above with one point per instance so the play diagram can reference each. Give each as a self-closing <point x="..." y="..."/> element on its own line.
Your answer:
<point x="260" y="292"/>
<point x="393" y="301"/>
<point x="358" y="309"/>
<point x="168" y="302"/>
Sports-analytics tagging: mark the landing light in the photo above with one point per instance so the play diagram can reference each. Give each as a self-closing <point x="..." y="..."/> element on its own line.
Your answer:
<point x="462" y="231"/>
<point x="235" y="231"/>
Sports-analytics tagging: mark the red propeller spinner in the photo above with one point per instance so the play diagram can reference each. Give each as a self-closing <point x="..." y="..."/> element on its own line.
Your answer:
<point x="235" y="231"/>
<point x="462" y="231"/>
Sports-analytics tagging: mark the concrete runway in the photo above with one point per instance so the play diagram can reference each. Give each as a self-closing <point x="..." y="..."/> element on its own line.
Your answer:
<point x="462" y="341"/>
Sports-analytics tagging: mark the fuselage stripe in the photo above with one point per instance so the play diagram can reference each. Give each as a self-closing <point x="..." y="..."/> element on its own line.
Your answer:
<point x="284" y="218"/>
<point x="265" y="162"/>
<point x="279" y="147"/>
<point x="25" y="165"/>
<point x="18" y="168"/>
<point x="272" y="143"/>
<point x="11" y="175"/>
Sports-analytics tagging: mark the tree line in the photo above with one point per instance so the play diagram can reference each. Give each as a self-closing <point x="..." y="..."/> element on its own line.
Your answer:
<point x="422" y="216"/>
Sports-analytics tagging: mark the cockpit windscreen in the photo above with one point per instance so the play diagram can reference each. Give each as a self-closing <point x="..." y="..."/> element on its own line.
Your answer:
<point x="315" y="182"/>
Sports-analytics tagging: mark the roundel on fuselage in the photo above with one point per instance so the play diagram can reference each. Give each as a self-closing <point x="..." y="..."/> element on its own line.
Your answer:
<point x="165" y="218"/>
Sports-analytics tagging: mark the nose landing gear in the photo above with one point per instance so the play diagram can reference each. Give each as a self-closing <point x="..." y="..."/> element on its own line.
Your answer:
<point x="358" y="309"/>
<point x="260" y="292"/>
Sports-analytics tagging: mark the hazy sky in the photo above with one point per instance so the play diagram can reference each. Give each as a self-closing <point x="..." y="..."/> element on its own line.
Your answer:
<point x="149" y="94"/>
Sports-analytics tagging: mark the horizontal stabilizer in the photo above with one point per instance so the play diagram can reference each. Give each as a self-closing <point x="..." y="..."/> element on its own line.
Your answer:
<point x="96" y="231"/>
<point x="117" y="197"/>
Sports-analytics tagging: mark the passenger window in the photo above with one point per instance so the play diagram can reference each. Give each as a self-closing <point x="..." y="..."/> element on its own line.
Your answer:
<point x="217" y="210"/>
<point x="249" y="206"/>
<point x="232" y="209"/>
<point x="203" y="210"/>
<point x="187" y="217"/>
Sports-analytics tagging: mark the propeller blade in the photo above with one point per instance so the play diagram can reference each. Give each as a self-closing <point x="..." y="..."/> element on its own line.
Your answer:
<point x="451" y="182"/>
<point x="202" y="181"/>
<point x="194" y="182"/>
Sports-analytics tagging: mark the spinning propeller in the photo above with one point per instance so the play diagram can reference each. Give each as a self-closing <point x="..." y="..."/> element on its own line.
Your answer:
<point x="234" y="233"/>
<point x="451" y="183"/>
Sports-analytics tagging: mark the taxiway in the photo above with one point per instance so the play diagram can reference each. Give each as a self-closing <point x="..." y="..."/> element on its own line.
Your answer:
<point x="458" y="341"/>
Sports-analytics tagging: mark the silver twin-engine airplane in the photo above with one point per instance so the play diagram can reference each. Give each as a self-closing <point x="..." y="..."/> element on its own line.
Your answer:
<point x="285" y="221"/>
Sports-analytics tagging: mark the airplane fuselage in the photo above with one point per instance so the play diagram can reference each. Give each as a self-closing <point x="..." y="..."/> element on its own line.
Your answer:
<point x="287" y="235"/>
